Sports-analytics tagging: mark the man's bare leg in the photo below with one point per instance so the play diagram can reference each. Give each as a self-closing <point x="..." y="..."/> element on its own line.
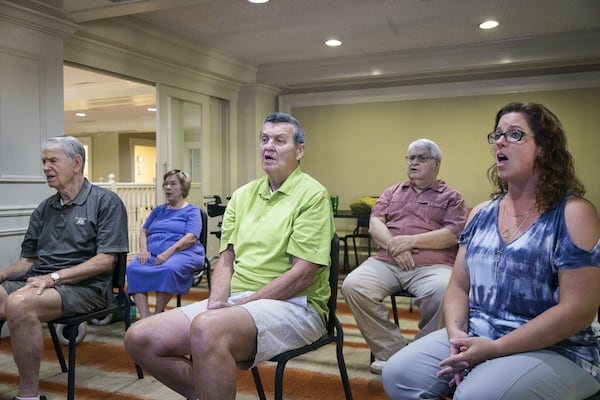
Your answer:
<point x="219" y="339"/>
<point x="159" y="344"/>
<point x="25" y="310"/>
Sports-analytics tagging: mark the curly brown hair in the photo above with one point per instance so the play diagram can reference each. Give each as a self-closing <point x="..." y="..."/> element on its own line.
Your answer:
<point x="554" y="164"/>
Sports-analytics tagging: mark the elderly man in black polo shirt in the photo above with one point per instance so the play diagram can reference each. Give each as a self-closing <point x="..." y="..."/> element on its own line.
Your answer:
<point x="66" y="260"/>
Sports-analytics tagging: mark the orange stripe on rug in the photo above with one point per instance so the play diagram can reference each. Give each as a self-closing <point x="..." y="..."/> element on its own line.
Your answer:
<point x="304" y="384"/>
<point x="81" y="393"/>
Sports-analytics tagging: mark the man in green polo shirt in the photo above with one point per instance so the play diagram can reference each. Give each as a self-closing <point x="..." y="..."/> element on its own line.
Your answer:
<point x="270" y="288"/>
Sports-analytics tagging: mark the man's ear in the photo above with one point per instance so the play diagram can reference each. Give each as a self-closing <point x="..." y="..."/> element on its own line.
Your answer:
<point x="78" y="162"/>
<point x="299" y="151"/>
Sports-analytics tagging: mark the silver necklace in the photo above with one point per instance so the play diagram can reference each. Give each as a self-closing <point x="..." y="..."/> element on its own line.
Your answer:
<point x="509" y="231"/>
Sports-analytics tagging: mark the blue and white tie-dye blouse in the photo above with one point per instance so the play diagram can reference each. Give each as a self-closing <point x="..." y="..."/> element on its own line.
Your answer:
<point x="511" y="283"/>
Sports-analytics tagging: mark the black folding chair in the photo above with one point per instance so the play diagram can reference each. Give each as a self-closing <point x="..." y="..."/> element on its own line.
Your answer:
<point x="71" y="324"/>
<point x="334" y="333"/>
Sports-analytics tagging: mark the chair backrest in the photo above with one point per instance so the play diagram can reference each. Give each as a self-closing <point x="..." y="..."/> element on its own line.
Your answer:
<point x="119" y="279"/>
<point x="333" y="282"/>
<point x="204" y="233"/>
<point x="362" y="221"/>
<point x="118" y="276"/>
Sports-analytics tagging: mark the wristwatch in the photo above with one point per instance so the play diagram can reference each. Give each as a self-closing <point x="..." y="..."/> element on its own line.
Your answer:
<point x="56" y="278"/>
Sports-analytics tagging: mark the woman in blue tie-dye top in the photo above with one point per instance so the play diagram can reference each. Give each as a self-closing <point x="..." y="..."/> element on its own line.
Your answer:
<point x="521" y="306"/>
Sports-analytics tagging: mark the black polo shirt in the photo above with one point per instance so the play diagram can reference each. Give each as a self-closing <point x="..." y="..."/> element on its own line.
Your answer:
<point x="61" y="236"/>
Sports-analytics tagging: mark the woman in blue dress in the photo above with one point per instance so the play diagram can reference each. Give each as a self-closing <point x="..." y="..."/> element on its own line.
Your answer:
<point x="521" y="306"/>
<point x="170" y="252"/>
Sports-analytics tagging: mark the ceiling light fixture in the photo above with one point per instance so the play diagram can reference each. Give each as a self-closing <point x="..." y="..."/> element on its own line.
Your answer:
<point x="258" y="1"/>
<point x="489" y="24"/>
<point x="151" y="109"/>
<point x="80" y="114"/>
<point x="333" y="43"/>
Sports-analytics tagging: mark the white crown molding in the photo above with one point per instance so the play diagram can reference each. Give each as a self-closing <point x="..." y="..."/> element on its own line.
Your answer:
<point x="126" y="32"/>
<point x="442" y="90"/>
<point x="151" y="68"/>
<point x="38" y="16"/>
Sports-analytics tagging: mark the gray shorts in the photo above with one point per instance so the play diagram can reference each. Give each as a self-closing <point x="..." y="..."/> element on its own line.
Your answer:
<point x="281" y="325"/>
<point x="75" y="299"/>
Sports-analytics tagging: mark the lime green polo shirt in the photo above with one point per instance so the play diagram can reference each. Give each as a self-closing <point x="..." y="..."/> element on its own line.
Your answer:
<point x="267" y="230"/>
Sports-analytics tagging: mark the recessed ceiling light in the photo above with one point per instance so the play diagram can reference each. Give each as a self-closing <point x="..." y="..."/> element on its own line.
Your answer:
<point x="80" y="114"/>
<point x="333" y="43"/>
<point x="258" y="1"/>
<point x="489" y="24"/>
<point x="151" y="109"/>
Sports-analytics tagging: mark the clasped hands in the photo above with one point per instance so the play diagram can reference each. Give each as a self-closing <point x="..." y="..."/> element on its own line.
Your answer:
<point x="465" y="353"/>
<point x="400" y="248"/>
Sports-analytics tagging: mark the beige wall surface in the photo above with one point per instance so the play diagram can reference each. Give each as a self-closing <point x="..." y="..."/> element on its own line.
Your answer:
<point x="358" y="150"/>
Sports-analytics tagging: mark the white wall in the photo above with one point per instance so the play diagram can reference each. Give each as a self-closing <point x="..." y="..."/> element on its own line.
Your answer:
<point x="31" y="108"/>
<point x="35" y="41"/>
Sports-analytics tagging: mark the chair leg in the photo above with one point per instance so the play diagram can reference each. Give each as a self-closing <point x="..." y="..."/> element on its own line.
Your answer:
<point x="279" y="380"/>
<point x="395" y="310"/>
<point x="345" y="264"/>
<point x="57" y="348"/>
<point x="71" y="332"/>
<point x="127" y="321"/>
<point x="339" y="350"/>
<point x="355" y="251"/>
<point x="207" y="263"/>
<point x="346" y="258"/>
<point x="258" y="384"/>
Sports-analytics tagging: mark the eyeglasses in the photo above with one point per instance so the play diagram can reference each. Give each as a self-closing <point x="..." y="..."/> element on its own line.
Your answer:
<point x="512" y="136"/>
<point x="420" y="158"/>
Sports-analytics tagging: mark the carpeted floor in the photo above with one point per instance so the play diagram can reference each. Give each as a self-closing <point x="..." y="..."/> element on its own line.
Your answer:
<point x="104" y="371"/>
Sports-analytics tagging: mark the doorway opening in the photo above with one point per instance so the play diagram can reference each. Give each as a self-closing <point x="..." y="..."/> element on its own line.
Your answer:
<point x="106" y="113"/>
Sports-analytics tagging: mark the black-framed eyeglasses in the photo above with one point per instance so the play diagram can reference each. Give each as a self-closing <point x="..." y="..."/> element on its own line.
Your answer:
<point x="512" y="136"/>
<point x="420" y="158"/>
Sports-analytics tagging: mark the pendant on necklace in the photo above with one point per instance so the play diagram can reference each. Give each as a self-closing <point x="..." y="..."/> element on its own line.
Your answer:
<point x="506" y="234"/>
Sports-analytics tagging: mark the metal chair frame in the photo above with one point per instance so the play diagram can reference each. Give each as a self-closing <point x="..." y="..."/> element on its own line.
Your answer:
<point x="334" y="333"/>
<point x="71" y="324"/>
<point x="362" y="221"/>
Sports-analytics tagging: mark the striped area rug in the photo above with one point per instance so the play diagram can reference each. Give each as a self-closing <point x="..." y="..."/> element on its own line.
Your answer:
<point x="104" y="371"/>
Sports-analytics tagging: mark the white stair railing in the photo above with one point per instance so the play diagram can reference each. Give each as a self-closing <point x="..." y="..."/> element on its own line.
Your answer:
<point x="139" y="200"/>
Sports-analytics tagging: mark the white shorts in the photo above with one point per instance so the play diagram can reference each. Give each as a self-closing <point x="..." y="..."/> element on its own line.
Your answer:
<point x="282" y="325"/>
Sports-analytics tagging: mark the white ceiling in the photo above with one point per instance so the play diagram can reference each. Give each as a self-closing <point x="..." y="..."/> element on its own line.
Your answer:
<point x="111" y="104"/>
<point x="384" y="41"/>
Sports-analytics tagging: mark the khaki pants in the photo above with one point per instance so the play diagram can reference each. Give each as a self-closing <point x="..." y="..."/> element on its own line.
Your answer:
<point x="365" y="288"/>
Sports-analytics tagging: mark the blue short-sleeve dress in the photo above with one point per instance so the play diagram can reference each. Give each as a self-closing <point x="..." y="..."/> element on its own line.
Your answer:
<point x="165" y="227"/>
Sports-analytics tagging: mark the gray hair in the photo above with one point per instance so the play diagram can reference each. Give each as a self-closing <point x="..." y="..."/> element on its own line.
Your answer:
<point x="68" y="144"/>
<point x="283" y="118"/>
<point x="430" y="145"/>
